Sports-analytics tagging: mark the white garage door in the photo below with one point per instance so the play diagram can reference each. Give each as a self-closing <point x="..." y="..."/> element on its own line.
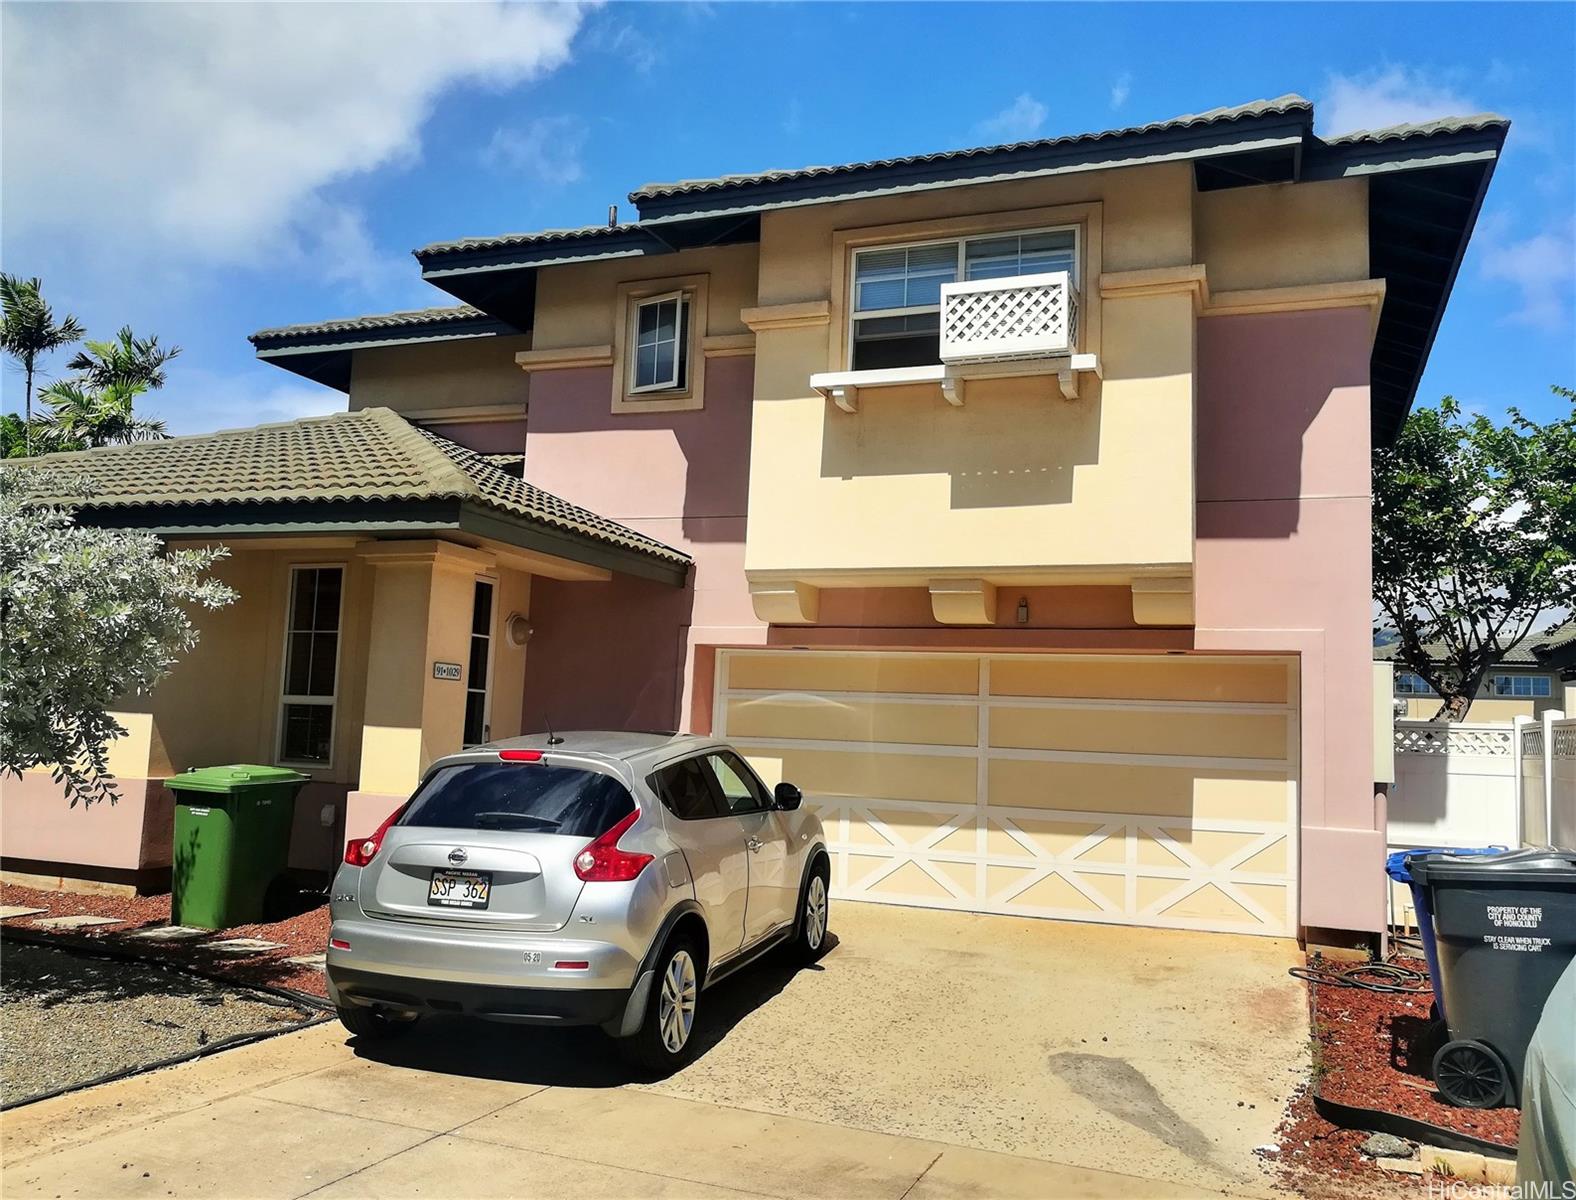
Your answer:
<point x="1144" y="790"/>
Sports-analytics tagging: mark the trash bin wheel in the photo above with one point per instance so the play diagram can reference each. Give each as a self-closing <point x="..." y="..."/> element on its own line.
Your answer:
<point x="1471" y="1074"/>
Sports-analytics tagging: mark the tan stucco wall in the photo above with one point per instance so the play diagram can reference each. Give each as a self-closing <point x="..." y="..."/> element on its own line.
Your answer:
<point x="1017" y="477"/>
<point x="575" y="304"/>
<point x="1283" y="235"/>
<point x="460" y="374"/>
<point x="220" y="703"/>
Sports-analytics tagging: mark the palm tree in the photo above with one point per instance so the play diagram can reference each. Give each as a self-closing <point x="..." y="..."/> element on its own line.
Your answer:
<point x="29" y="329"/>
<point x="126" y="361"/>
<point x="83" y="417"/>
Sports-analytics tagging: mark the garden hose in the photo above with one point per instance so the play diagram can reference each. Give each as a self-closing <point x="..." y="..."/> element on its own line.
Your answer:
<point x="1369" y="976"/>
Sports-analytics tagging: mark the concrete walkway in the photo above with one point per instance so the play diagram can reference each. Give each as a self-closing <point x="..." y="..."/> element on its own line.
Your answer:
<point x="929" y="1054"/>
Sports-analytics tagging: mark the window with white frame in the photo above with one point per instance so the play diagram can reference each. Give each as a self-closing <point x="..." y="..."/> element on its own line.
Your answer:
<point x="1521" y="686"/>
<point x="1409" y="684"/>
<point x="478" y="676"/>
<point x="311" y="667"/>
<point x="659" y="361"/>
<point x="895" y="314"/>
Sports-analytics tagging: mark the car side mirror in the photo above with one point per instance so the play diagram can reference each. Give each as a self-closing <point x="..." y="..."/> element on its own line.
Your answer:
<point x="787" y="797"/>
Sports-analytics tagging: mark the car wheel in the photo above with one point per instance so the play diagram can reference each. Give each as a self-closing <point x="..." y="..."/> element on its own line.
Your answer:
<point x="374" y="1024"/>
<point x="815" y="911"/>
<point x="666" y="1038"/>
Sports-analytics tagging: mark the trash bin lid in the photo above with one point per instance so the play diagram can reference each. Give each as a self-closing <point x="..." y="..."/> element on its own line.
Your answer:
<point x="1395" y="863"/>
<point x="232" y="778"/>
<point x="1537" y="865"/>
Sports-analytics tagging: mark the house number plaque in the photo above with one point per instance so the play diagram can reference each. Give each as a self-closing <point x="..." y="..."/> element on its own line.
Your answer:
<point x="443" y="670"/>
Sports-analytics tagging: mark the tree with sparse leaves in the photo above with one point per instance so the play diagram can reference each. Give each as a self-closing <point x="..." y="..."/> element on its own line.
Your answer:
<point x="88" y="617"/>
<point x="1474" y="539"/>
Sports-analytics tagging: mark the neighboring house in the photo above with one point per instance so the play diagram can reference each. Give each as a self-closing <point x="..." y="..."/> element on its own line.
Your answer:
<point x="1536" y="675"/>
<point x="1014" y="502"/>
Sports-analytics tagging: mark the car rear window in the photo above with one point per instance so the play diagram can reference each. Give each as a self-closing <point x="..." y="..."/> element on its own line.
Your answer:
<point x="524" y="798"/>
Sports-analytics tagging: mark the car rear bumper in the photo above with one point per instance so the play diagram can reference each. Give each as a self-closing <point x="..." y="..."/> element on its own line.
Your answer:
<point x="522" y="1005"/>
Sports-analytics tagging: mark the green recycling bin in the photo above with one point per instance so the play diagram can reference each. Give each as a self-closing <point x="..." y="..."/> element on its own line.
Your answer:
<point x="232" y="843"/>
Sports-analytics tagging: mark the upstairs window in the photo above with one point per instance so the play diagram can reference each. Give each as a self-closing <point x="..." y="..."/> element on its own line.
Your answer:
<point x="896" y="310"/>
<point x="1522" y="686"/>
<point x="660" y="362"/>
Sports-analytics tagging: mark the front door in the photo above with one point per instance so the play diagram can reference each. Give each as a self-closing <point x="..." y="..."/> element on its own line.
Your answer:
<point x="772" y="894"/>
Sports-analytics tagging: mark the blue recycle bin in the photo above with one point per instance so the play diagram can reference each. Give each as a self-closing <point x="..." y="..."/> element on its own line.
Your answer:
<point x="1395" y="867"/>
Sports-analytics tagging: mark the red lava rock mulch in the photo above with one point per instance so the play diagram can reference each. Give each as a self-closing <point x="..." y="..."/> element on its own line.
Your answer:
<point x="300" y="935"/>
<point x="1321" y="1161"/>
<point x="1373" y="1052"/>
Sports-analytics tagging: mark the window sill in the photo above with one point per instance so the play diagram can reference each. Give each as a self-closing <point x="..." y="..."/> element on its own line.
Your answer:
<point x="842" y="388"/>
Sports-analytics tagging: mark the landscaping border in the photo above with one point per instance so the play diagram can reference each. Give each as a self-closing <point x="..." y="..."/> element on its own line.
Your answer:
<point x="1376" y="1120"/>
<point x="93" y="948"/>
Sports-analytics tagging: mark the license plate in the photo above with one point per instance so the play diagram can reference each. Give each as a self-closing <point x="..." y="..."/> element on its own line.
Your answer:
<point x="459" y="889"/>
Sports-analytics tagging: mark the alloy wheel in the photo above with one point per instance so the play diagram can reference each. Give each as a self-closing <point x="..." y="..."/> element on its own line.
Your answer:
<point x="676" y="1005"/>
<point x="815" y="912"/>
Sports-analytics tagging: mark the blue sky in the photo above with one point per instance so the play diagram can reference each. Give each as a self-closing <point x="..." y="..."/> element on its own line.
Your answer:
<point x="214" y="169"/>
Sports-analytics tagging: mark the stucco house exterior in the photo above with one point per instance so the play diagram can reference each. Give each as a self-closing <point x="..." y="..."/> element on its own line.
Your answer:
<point x="1014" y="502"/>
<point x="1537" y="675"/>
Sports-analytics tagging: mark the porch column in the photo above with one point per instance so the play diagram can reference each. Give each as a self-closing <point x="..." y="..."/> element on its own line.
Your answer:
<point x="422" y="594"/>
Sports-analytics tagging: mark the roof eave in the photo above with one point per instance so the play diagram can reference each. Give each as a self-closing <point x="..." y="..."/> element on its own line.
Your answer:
<point x="325" y="357"/>
<point x="380" y="518"/>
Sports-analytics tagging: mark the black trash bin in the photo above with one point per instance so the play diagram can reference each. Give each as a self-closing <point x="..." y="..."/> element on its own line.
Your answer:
<point x="1505" y="928"/>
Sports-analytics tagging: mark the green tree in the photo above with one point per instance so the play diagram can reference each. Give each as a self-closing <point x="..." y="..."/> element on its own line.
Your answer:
<point x="88" y="617"/>
<point x="81" y="417"/>
<point x="124" y="361"/>
<point x="1474" y="539"/>
<point x="28" y="329"/>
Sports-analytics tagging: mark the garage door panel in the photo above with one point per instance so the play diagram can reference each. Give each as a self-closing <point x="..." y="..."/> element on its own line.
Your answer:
<point x="831" y="718"/>
<point x="880" y="776"/>
<point x="1038" y="804"/>
<point x="943" y="674"/>
<point x="1174" y="732"/>
<point x="1246" y="680"/>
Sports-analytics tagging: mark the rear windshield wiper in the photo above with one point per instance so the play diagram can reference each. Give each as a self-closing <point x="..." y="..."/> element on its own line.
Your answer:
<point x="498" y="819"/>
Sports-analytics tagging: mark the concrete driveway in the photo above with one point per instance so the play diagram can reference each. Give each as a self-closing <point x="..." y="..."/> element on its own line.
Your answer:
<point x="929" y="1054"/>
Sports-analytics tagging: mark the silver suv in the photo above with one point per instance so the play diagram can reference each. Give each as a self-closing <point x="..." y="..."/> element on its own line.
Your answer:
<point x="584" y="879"/>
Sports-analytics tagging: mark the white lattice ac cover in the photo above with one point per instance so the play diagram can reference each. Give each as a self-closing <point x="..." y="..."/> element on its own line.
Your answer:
<point x="1023" y="316"/>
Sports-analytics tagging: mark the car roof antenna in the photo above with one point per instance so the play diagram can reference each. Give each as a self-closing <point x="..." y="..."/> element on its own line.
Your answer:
<point x="552" y="738"/>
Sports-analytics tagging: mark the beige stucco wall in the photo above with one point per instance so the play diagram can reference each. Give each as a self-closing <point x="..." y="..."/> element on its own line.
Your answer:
<point x="1283" y="235"/>
<point x="468" y="373"/>
<point x="220" y="703"/>
<point x="575" y="304"/>
<point x="1017" y="478"/>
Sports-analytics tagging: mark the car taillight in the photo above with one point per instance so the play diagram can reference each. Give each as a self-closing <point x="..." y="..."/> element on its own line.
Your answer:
<point x="520" y="755"/>
<point x="361" y="851"/>
<point x="603" y="862"/>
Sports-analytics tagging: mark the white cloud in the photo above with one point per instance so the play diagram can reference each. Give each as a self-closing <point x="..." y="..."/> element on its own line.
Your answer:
<point x="1121" y="89"/>
<point x="1390" y="95"/>
<point x="1541" y="267"/>
<point x="546" y="149"/>
<point x="207" y="133"/>
<point x="1019" y="121"/>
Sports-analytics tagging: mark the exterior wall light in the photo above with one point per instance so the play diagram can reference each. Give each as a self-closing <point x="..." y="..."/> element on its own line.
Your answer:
<point x="1023" y="610"/>
<point x="519" y="629"/>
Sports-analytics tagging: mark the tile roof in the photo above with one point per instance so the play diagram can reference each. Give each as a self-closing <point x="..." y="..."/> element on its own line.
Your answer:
<point x="1522" y="654"/>
<point x="1396" y="133"/>
<point x="1257" y="108"/>
<point x="370" y="454"/>
<point x="393" y="320"/>
<point x="541" y="237"/>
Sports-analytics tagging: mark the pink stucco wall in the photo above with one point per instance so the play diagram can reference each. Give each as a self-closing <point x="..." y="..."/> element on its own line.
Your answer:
<point x="41" y="832"/>
<point x="1283" y="564"/>
<point x="681" y="477"/>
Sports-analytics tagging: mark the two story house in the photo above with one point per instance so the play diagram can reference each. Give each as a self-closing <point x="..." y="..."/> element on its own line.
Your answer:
<point x="1012" y="501"/>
